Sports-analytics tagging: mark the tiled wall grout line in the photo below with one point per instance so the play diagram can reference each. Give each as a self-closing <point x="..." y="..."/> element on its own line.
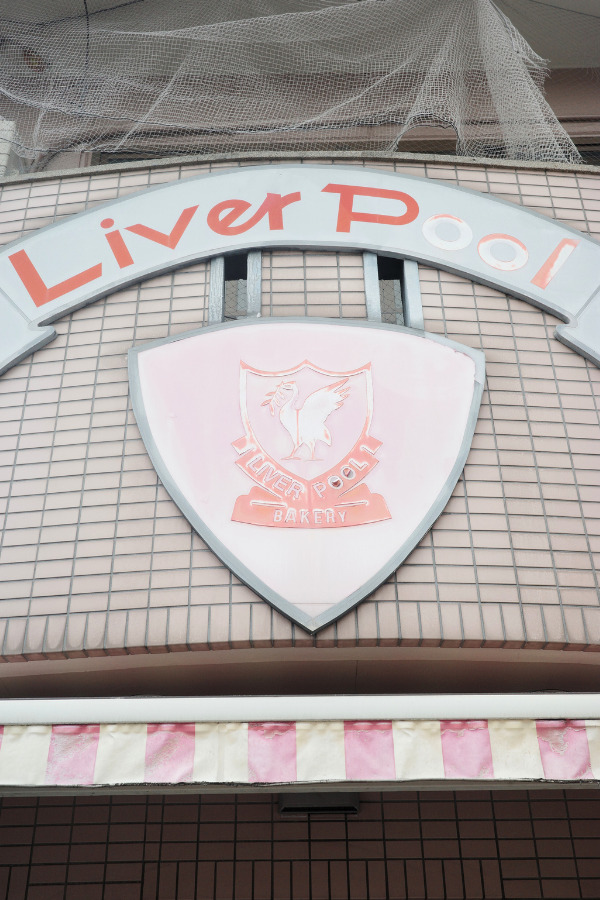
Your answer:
<point x="537" y="472"/>
<point x="85" y="466"/>
<point x="490" y="409"/>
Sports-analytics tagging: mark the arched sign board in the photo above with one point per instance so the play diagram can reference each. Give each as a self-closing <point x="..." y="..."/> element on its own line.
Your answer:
<point x="329" y="448"/>
<point x="64" y="266"/>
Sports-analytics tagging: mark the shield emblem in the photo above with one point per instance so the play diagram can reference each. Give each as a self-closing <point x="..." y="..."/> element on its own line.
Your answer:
<point x="311" y="456"/>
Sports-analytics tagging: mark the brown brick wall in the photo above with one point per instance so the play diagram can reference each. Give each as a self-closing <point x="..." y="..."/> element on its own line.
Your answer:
<point x="95" y="557"/>
<point x="506" y="844"/>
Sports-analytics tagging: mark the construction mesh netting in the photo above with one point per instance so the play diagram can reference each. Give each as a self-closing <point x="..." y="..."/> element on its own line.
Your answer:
<point x="162" y="78"/>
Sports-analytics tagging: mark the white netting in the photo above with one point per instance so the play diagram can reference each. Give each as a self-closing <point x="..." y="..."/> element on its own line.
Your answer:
<point x="222" y="75"/>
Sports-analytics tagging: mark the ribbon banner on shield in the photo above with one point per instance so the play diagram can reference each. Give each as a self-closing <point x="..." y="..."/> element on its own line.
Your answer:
<point x="311" y="456"/>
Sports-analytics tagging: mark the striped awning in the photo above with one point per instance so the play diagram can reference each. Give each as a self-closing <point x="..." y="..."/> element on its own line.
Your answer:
<point x="251" y="755"/>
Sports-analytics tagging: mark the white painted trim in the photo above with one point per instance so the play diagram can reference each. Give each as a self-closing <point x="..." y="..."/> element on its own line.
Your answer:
<point x="115" y="710"/>
<point x="216" y="290"/>
<point x="411" y="295"/>
<point x="372" y="292"/>
<point x="254" y="283"/>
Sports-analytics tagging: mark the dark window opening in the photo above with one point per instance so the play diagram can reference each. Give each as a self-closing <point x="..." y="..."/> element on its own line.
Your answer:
<point x="236" y="286"/>
<point x="590" y="153"/>
<point x="390" y="290"/>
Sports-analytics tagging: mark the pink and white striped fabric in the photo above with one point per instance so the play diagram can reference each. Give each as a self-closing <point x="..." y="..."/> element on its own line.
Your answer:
<point x="301" y="753"/>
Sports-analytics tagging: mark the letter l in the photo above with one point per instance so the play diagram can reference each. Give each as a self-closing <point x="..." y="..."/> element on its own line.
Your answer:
<point x="35" y="285"/>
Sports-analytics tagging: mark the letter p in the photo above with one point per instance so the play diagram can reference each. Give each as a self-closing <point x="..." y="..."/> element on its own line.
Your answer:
<point x="347" y="215"/>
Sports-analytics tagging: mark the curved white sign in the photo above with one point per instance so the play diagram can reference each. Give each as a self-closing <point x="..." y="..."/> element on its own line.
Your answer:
<point x="59" y="268"/>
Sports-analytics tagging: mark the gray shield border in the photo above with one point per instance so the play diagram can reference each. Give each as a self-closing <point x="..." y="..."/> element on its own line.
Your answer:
<point x="245" y="575"/>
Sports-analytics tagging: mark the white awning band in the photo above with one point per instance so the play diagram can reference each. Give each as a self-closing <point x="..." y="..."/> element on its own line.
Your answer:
<point x="298" y="753"/>
<point x="297" y="708"/>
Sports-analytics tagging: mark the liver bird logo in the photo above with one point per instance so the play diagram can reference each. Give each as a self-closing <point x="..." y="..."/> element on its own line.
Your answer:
<point x="306" y="424"/>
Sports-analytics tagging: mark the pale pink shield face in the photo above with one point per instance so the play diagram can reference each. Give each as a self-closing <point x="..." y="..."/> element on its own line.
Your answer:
<point x="310" y="456"/>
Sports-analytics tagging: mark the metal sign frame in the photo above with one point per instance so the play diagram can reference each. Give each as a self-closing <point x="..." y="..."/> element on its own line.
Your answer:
<point x="223" y="552"/>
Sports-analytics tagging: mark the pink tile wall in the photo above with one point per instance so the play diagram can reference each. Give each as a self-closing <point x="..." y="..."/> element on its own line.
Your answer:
<point x="94" y="556"/>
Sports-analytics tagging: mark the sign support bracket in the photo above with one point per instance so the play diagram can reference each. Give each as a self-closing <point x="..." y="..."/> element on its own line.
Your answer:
<point x="254" y="284"/>
<point x="216" y="291"/>
<point x="411" y="295"/>
<point x="372" y="295"/>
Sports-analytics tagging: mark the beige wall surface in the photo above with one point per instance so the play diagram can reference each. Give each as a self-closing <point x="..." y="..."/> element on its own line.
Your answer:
<point x="96" y="558"/>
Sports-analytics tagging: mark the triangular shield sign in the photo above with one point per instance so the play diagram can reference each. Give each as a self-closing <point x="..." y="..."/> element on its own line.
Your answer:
<point x="310" y="455"/>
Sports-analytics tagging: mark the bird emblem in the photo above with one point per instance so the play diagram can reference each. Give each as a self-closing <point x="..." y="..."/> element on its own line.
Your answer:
<point x="306" y="424"/>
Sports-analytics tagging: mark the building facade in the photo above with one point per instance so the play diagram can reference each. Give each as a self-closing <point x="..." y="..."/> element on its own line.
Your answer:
<point x="109" y="592"/>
